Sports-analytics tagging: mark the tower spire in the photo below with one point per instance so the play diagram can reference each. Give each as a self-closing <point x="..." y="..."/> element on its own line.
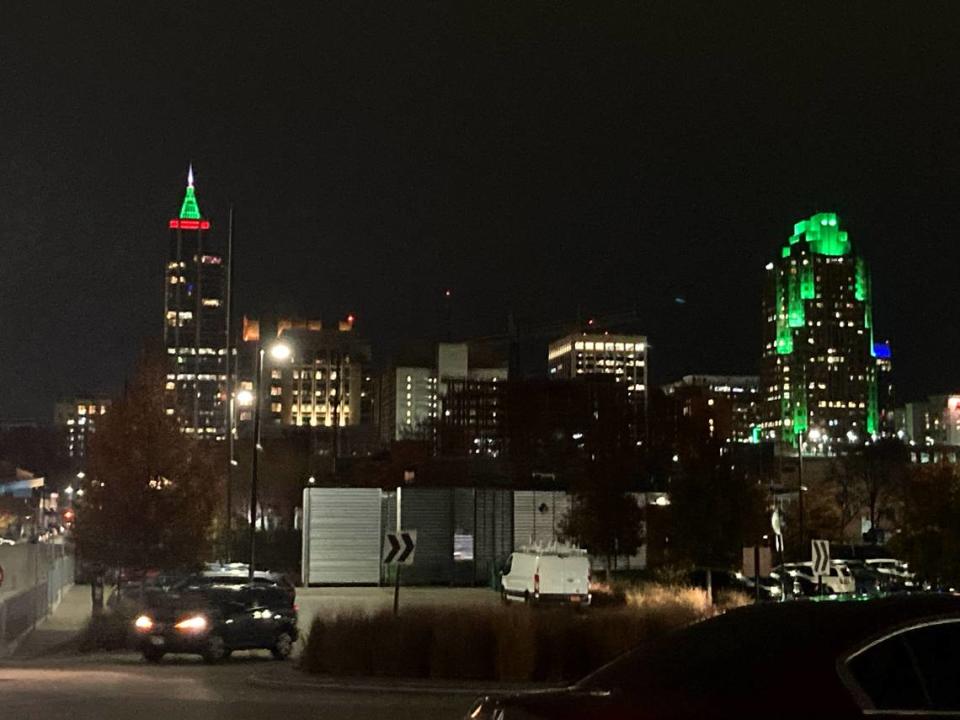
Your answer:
<point x="190" y="210"/>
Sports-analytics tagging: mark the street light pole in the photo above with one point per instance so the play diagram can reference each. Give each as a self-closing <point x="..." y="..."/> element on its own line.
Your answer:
<point x="800" y="486"/>
<point x="255" y="464"/>
<point x="231" y="407"/>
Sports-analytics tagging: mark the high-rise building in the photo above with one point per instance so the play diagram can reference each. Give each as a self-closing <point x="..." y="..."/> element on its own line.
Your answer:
<point x="194" y="329"/>
<point x="819" y="367"/>
<point x="599" y="353"/>
<point x="730" y="404"/>
<point x="76" y="419"/>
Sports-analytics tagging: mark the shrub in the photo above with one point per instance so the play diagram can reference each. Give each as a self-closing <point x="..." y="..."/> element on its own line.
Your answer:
<point x="510" y="643"/>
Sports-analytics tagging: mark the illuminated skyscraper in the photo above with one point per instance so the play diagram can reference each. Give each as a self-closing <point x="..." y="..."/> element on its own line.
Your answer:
<point x="819" y="367"/>
<point x="194" y="329"/>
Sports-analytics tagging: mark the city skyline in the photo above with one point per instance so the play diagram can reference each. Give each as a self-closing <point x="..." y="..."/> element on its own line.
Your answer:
<point x="370" y="176"/>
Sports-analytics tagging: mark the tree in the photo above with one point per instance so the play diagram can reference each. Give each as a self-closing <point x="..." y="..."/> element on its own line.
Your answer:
<point x="929" y="535"/>
<point x="151" y="492"/>
<point x="604" y="517"/>
<point x="883" y="473"/>
<point x="716" y="508"/>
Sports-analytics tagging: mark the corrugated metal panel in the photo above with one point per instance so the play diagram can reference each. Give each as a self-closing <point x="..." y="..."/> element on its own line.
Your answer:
<point x="494" y="534"/>
<point x="537" y="516"/>
<point x="429" y="511"/>
<point x="342" y="536"/>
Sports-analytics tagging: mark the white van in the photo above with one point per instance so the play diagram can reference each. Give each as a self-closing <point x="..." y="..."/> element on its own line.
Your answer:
<point x="547" y="575"/>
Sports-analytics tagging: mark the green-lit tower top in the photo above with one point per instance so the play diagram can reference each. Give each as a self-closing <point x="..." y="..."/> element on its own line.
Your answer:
<point x="822" y="234"/>
<point x="190" y="210"/>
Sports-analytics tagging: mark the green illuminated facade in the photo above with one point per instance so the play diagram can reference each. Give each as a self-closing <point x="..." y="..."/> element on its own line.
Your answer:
<point x="819" y="370"/>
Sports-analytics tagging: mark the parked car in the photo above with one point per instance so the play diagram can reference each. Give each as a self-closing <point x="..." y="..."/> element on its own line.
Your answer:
<point x="839" y="581"/>
<point x="558" y="575"/>
<point x="894" y="575"/>
<point x="866" y="580"/>
<point x="886" y="657"/>
<point x="769" y="587"/>
<point x="213" y="620"/>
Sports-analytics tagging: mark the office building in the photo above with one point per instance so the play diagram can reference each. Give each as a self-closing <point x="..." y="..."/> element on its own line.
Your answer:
<point x="413" y="389"/>
<point x="624" y="357"/>
<point x="819" y="366"/>
<point x="325" y="381"/>
<point x="935" y="421"/>
<point x="194" y="329"/>
<point x="76" y="420"/>
<point x="728" y="404"/>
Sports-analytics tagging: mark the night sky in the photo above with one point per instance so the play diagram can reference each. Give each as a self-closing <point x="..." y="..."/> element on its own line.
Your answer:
<point x="540" y="157"/>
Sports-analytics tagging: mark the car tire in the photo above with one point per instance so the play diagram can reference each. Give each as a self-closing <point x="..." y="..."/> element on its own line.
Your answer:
<point x="153" y="655"/>
<point x="214" y="650"/>
<point x="282" y="647"/>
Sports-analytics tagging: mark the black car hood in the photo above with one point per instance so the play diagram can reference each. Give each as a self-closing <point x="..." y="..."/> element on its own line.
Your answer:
<point x="173" y="606"/>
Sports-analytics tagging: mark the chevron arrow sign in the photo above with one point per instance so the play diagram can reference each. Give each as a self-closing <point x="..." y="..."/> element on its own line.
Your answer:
<point x="399" y="547"/>
<point x="820" y="552"/>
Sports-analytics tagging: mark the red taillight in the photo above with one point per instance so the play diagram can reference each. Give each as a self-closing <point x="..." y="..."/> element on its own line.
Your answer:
<point x="536" y="584"/>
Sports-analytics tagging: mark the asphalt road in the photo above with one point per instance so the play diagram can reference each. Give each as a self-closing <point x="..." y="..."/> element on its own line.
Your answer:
<point x="120" y="687"/>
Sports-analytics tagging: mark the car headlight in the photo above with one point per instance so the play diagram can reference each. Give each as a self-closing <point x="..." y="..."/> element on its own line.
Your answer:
<point x="143" y="623"/>
<point x="195" y="623"/>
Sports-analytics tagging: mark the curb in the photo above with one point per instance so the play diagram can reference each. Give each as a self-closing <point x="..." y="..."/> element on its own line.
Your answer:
<point x="372" y="686"/>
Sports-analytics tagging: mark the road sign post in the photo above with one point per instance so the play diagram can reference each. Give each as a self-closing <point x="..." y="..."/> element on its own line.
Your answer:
<point x="820" y="557"/>
<point x="399" y="549"/>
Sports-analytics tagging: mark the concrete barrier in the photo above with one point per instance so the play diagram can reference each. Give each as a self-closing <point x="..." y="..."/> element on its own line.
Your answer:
<point x="35" y="577"/>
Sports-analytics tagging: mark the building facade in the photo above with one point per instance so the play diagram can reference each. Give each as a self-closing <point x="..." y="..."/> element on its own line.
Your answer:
<point x="819" y="368"/>
<point x="624" y="357"/>
<point x="76" y="419"/>
<point x="729" y="403"/>
<point x="935" y="421"/>
<point x="411" y="395"/>
<point x="325" y="382"/>
<point x="194" y="329"/>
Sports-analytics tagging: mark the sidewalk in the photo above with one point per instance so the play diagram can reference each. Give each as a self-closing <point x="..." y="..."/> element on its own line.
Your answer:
<point x="60" y="629"/>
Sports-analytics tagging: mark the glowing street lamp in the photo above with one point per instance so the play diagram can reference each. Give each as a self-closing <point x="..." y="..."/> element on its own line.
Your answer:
<point x="815" y="435"/>
<point x="245" y="398"/>
<point x="280" y="351"/>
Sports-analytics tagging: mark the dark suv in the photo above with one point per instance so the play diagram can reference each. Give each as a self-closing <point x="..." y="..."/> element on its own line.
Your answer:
<point x="213" y="620"/>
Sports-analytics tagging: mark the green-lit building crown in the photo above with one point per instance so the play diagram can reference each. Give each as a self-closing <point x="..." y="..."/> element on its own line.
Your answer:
<point x="189" y="210"/>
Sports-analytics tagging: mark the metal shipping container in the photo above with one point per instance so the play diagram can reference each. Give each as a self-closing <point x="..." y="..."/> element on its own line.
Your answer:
<point x="342" y="536"/>
<point x="537" y="516"/>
